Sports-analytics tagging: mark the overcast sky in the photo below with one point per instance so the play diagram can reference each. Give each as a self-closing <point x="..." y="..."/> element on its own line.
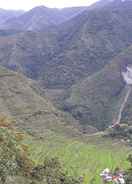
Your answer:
<point x="28" y="4"/>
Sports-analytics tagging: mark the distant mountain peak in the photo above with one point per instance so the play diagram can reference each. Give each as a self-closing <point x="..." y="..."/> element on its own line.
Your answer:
<point x="40" y="8"/>
<point x="116" y="1"/>
<point x="102" y="3"/>
<point x="40" y="17"/>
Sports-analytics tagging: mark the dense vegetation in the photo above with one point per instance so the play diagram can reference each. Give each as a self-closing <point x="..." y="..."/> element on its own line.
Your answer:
<point x="77" y="63"/>
<point x="73" y="61"/>
<point x="15" y="165"/>
<point x="97" y="99"/>
<point x="25" y="159"/>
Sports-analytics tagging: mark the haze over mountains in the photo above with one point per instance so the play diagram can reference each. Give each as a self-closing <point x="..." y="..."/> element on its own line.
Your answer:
<point x="75" y="55"/>
<point x="38" y="18"/>
<point x="8" y="14"/>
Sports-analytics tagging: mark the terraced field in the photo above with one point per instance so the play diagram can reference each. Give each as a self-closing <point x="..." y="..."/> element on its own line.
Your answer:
<point x="81" y="157"/>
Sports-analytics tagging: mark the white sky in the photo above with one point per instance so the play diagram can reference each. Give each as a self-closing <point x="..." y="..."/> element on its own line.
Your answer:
<point x="28" y="4"/>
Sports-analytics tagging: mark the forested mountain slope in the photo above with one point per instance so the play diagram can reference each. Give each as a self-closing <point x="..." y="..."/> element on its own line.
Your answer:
<point x="20" y="99"/>
<point x="97" y="99"/>
<point x="63" y="57"/>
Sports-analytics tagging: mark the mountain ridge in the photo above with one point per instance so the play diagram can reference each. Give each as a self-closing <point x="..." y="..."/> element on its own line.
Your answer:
<point x="6" y="14"/>
<point x="61" y="57"/>
<point x="38" y="18"/>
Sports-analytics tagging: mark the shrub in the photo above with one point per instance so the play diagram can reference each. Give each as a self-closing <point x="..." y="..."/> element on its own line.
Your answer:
<point x="129" y="172"/>
<point x="52" y="172"/>
<point x="13" y="158"/>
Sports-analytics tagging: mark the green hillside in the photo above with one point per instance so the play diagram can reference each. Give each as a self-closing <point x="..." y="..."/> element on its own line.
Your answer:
<point x="71" y="55"/>
<point x="96" y="99"/>
<point x="52" y="134"/>
<point x="20" y="99"/>
<point x="61" y="56"/>
<point x="61" y="87"/>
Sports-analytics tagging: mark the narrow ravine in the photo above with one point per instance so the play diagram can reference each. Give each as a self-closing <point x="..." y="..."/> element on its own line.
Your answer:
<point x="127" y="76"/>
<point x="128" y="91"/>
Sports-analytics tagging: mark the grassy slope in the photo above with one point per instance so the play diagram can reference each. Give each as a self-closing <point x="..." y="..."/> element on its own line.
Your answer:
<point x="82" y="156"/>
<point x="20" y="100"/>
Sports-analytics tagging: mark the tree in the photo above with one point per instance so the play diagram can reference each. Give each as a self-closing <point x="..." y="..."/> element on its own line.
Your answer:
<point x="13" y="158"/>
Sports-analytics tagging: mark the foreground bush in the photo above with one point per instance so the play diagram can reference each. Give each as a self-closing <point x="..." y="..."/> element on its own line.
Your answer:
<point x="129" y="172"/>
<point x="53" y="173"/>
<point x="13" y="158"/>
<point x="16" y="167"/>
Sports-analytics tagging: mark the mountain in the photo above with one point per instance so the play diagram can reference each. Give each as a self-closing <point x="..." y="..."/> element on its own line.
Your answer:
<point x="97" y="99"/>
<point x="26" y="52"/>
<point x="77" y="48"/>
<point x="89" y="41"/>
<point x="64" y="58"/>
<point x="102" y="3"/>
<point x="38" y="18"/>
<point x="22" y="101"/>
<point x="66" y="94"/>
<point x="8" y="14"/>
